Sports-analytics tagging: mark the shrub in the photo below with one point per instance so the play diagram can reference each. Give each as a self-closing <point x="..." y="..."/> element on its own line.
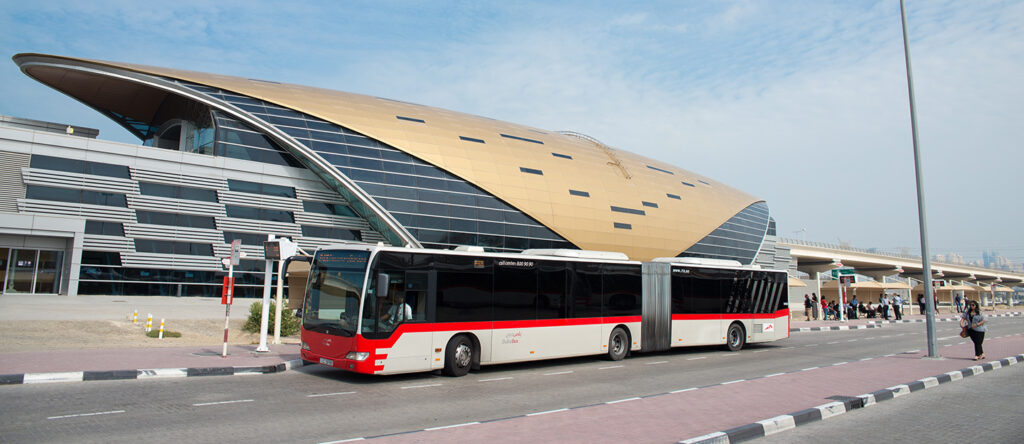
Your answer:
<point x="289" y="323"/>
<point x="167" y="334"/>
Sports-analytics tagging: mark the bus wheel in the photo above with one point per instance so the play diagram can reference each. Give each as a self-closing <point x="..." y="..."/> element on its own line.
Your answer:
<point x="736" y="338"/>
<point x="458" y="356"/>
<point x="618" y="344"/>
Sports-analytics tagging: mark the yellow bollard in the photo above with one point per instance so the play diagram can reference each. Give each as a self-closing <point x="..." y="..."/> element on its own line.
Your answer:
<point x="135" y="317"/>
<point x="161" y="328"/>
<point x="149" y="323"/>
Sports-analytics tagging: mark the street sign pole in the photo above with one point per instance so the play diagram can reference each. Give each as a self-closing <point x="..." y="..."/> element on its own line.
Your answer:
<point x="286" y="249"/>
<point x="229" y="290"/>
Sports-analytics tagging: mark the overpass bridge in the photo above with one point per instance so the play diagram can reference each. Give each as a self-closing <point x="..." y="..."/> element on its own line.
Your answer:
<point x="816" y="257"/>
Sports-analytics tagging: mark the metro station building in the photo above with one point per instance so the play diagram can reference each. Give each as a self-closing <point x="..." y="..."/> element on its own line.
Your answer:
<point x="224" y="158"/>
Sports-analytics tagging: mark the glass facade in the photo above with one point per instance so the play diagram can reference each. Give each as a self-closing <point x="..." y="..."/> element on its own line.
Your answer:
<point x="439" y="209"/>
<point x="738" y="239"/>
<point x="30" y="271"/>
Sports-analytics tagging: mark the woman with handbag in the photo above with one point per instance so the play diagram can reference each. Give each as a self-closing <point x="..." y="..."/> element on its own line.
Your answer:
<point x="973" y="323"/>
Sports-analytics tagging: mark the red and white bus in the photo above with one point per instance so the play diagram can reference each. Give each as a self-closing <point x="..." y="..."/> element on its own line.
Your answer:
<point x="385" y="310"/>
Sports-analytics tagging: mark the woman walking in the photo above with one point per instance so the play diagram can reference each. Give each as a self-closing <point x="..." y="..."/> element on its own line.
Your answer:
<point x="975" y="323"/>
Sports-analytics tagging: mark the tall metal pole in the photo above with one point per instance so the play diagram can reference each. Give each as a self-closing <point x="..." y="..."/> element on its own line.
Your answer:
<point x="925" y="259"/>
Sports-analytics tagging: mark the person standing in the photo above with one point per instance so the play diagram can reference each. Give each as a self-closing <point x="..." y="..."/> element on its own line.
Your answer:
<point x="853" y="307"/>
<point x="814" y="305"/>
<point x="920" y="303"/>
<point x="975" y="323"/>
<point x="897" y="306"/>
<point x="883" y="304"/>
<point x="959" y="304"/>
<point x="807" y="306"/>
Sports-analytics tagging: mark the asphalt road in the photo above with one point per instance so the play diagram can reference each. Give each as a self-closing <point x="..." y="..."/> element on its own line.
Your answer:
<point x="317" y="404"/>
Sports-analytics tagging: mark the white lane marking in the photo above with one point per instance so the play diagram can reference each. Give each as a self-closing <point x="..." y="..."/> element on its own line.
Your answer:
<point x="726" y="355"/>
<point x="774" y="374"/>
<point x="420" y="386"/>
<point x="852" y="340"/>
<point x="809" y="368"/>
<point x="317" y="395"/>
<point x="344" y="440"/>
<point x="684" y="390"/>
<point x="85" y="414"/>
<point x="812" y="345"/>
<point x="495" y="379"/>
<point x="732" y="382"/>
<point x="830" y="343"/>
<point x="694" y="359"/>
<point x="545" y="413"/>
<point x="657" y="362"/>
<point x="760" y="351"/>
<point x="622" y="400"/>
<point x="558" y="373"/>
<point x="911" y="351"/>
<point x="840" y="363"/>
<point x="452" y="426"/>
<point x="867" y="359"/>
<point x="222" y="402"/>
<point x="610" y="367"/>
<point x="787" y="348"/>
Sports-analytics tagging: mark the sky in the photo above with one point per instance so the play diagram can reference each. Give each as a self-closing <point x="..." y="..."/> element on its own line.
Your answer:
<point x="803" y="103"/>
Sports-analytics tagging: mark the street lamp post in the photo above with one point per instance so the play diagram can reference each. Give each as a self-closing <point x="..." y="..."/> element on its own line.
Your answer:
<point x="925" y="259"/>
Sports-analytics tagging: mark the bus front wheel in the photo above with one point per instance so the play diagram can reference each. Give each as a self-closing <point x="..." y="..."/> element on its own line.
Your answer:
<point x="618" y="344"/>
<point x="458" y="356"/>
<point x="736" y="337"/>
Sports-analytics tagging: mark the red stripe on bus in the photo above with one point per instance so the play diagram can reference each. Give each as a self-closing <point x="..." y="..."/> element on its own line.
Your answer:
<point x="719" y="316"/>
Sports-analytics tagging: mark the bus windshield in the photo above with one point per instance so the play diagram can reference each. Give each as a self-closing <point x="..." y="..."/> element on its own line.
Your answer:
<point x="335" y="288"/>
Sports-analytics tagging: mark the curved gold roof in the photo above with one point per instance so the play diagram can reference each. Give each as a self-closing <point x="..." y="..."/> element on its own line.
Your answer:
<point x="612" y="177"/>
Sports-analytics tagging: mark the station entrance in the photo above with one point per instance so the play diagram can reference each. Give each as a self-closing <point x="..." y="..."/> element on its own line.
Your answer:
<point x="30" y="271"/>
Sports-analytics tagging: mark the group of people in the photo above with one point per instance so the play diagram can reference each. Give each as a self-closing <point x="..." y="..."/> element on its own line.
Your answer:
<point x="971" y="318"/>
<point x="887" y="307"/>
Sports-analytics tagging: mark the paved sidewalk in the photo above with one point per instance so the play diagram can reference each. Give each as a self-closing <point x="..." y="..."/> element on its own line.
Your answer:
<point x="859" y="323"/>
<point x="731" y="411"/>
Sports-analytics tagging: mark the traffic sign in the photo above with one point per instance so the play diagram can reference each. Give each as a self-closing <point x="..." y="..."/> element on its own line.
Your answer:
<point x="236" y="251"/>
<point x="227" y="294"/>
<point x="836" y="272"/>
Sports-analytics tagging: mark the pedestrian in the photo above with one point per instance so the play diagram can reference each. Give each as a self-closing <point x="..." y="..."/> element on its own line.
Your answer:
<point x="814" y="305"/>
<point x="920" y="302"/>
<point x="959" y="304"/>
<point x="897" y="306"/>
<point x="975" y="323"/>
<point x="883" y="304"/>
<point x="936" y="296"/>
<point x="853" y="306"/>
<point x="807" y="306"/>
<point x="824" y="308"/>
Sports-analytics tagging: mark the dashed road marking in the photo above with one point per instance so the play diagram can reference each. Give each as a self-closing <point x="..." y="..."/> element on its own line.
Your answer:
<point x="318" y="395"/>
<point x="237" y="401"/>
<point x="733" y="382"/>
<point x="657" y="362"/>
<point x="694" y="359"/>
<point x="684" y="390"/>
<point x="558" y="373"/>
<point x="622" y="400"/>
<point x="452" y="426"/>
<point x="809" y="368"/>
<point x="774" y="374"/>
<point x="78" y="415"/>
<point x="545" y="413"/>
<point x="495" y="379"/>
<point x="611" y="367"/>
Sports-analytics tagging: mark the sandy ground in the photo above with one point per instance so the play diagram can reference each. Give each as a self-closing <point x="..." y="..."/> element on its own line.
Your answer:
<point x="20" y="336"/>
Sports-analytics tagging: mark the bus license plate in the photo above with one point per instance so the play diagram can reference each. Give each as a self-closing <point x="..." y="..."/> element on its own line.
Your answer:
<point x="326" y="361"/>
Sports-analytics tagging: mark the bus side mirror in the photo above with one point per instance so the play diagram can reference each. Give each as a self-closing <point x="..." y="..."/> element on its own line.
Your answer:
<point x="383" y="282"/>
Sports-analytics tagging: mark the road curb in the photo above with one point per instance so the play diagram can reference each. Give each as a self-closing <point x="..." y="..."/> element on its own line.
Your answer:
<point x="879" y="324"/>
<point x="147" y="373"/>
<point x="770" y="426"/>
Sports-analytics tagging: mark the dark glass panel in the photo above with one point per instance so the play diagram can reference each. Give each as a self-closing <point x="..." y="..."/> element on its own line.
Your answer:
<point x="464" y="289"/>
<point x="585" y="290"/>
<point x="515" y="290"/>
<point x="621" y="287"/>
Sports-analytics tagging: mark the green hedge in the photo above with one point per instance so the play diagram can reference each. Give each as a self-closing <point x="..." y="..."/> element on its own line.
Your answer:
<point x="289" y="323"/>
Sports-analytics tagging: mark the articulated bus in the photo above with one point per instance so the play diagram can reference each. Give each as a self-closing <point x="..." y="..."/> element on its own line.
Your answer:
<point x="385" y="310"/>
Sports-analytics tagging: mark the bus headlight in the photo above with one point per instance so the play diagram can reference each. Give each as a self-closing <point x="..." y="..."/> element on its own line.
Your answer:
<point x="305" y="346"/>
<point x="357" y="356"/>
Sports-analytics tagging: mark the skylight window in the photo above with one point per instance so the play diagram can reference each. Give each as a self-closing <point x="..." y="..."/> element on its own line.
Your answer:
<point x="673" y="196"/>
<point x="689" y="184"/>
<point x="659" y="169"/>
<point x="522" y="139"/>
<point x="623" y="226"/>
<point x="579" y="193"/>
<point x="471" y="139"/>
<point x="411" y="119"/>
<point x="650" y="204"/>
<point x="564" y="156"/>
<point x="531" y="171"/>
<point x="628" y="210"/>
